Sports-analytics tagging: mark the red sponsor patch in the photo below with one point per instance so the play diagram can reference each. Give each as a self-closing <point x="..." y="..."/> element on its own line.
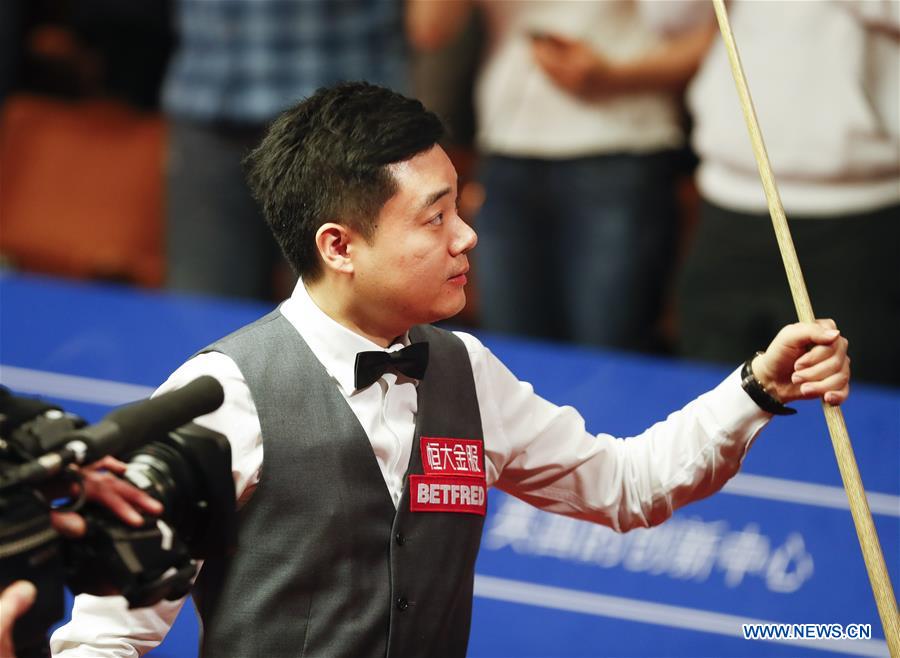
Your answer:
<point x="457" y="457"/>
<point x="441" y="493"/>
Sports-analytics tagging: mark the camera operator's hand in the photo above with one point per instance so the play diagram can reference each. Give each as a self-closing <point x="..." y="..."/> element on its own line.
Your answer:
<point x="101" y="485"/>
<point x="14" y="602"/>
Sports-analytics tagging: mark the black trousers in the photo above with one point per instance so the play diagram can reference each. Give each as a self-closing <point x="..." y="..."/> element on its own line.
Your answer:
<point x="733" y="295"/>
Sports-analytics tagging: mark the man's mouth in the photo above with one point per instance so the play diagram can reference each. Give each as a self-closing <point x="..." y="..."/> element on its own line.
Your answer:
<point x="459" y="278"/>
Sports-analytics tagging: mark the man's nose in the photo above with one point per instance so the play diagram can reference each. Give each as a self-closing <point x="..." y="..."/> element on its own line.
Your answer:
<point x="466" y="238"/>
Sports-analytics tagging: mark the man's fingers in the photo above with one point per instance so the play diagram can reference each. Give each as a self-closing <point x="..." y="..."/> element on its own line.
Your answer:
<point x="121" y="497"/>
<point x="815" y="355"/>
<point x="101" y="485"/>
<point x="69" y="524"/>
<point x="820" y="361"/>
<point x="555" y="41"/>
<point x="139" y="498"/>
<point x="552" y="56"/>
<point x="816" y="333"/>
<point x="14" y="601"/>
<point x="834" y="388"/>
<point x="547" y="57"/>
<point x="823" y="335"/>
<point x="108" y="463"/>
<point x="541" y="56"/>
<point x="820" y="353"/>
<point x="801" y="334"/>
<point x="118" y="506"/>
<point x="836" y="398"/>
<point x="133" y="496"/>
<point x="818" y="371"/>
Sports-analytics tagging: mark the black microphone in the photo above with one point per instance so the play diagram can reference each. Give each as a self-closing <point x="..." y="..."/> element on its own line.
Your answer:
<point x="125" y="429"/>
<point x="128" y="428"/>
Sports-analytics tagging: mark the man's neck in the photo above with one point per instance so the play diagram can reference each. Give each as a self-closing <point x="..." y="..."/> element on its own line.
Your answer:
<point x="334" y="301"/>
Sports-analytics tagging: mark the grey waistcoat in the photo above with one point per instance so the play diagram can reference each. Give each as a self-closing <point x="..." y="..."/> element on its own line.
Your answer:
<point x="326" y="566"/>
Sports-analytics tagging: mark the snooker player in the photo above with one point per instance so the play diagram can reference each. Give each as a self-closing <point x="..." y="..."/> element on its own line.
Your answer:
<point x="364" y="440"/>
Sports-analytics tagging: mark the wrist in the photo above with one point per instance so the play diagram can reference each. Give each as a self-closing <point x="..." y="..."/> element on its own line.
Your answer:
<point x="762" y="388"/>
<point x="769" y="381"/>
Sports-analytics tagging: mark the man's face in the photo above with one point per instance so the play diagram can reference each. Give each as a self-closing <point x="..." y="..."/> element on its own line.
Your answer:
<point x="414" y="268"/>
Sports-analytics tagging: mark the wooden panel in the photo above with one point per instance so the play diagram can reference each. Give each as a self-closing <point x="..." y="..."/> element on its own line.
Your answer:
<point x="81" y="189"/>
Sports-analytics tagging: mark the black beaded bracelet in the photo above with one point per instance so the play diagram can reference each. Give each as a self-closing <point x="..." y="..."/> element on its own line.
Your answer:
<point x="759" y="394"/>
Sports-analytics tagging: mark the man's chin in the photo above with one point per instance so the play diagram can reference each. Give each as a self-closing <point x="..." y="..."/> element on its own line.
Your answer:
<point x="450" y="309"/>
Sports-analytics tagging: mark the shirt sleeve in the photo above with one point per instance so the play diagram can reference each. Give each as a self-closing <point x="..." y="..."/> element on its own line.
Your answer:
<point x="104" y="626"/>
<point x="542" y="454"/>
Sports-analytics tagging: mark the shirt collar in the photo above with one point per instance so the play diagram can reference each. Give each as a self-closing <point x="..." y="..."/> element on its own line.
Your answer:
<point x="333" y="344"/>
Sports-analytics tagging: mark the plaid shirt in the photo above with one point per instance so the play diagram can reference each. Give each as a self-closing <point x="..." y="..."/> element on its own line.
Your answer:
<point x="246" y="60"/>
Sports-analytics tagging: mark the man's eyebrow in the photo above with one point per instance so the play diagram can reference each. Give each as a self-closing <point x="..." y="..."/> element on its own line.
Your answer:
<point x="434" y="197"/>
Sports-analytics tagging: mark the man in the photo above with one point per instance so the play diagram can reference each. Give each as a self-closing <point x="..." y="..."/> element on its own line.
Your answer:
<point x="361" y="471"/>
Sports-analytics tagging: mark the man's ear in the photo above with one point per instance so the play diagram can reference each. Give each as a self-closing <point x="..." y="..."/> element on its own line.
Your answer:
<point x="333" y="242"/>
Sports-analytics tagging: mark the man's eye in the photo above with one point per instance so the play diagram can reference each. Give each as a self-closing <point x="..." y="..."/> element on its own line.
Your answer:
<point x="438" y="219"/>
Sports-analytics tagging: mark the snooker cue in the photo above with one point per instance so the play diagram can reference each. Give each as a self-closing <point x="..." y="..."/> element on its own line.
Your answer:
<point x="859" y="507"/>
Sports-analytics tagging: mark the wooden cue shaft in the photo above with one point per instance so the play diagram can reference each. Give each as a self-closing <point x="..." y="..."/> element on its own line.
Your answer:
<point x="859" y="507"/>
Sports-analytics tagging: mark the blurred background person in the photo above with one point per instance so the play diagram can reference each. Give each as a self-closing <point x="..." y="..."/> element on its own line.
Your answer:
<point x="579" y="127"/>
<point x="238" y="63"/>
<point x="830" y="116"/>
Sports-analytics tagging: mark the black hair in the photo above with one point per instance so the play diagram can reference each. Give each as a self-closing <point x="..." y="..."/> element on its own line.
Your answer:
<point x="326" y="158"/>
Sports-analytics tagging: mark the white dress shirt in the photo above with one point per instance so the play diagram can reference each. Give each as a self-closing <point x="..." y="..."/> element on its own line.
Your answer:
<point x="535" y="450"/>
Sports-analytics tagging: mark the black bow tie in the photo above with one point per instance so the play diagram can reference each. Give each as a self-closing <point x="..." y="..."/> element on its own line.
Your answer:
<point x="411" y="361"/>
